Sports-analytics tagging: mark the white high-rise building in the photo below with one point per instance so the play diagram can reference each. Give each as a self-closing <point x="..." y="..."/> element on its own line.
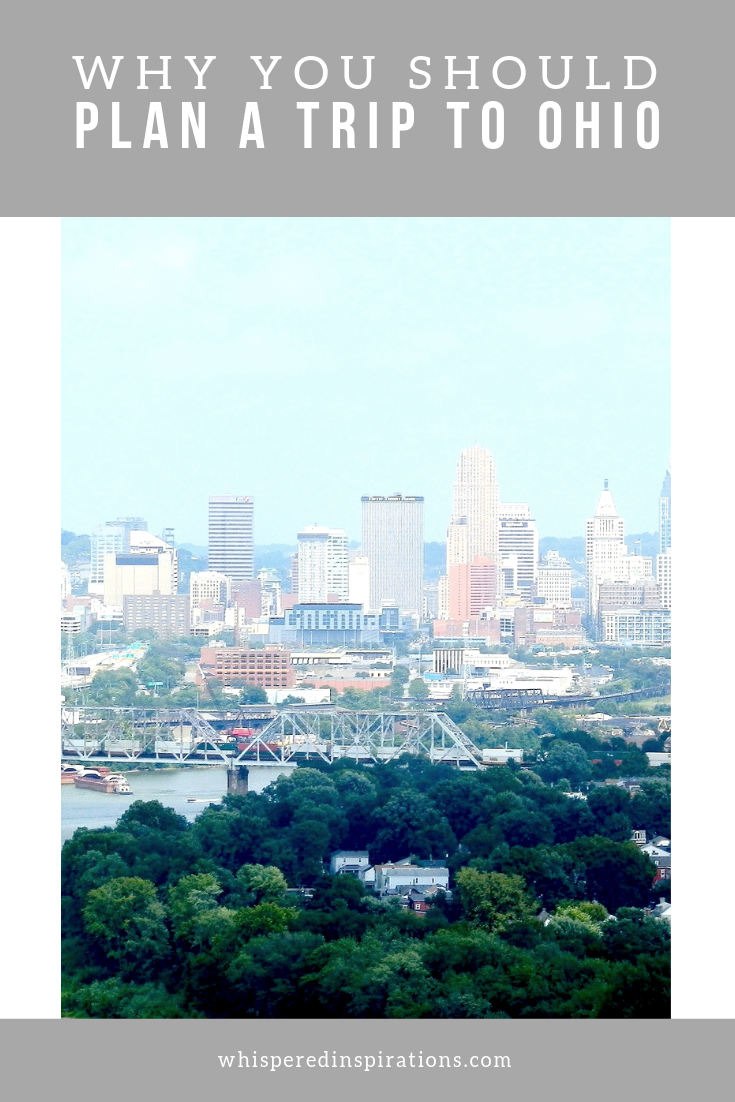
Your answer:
<point x="663" y="576"/>
<point x="141" y="542"/>
<point x="442" y="597"/>
<point x="636" y="567"/>
<point x="323" y="565"/>
<point x="209" y="585"/>
<point x="606" y="549"/>
<point x="393" y="542"/>
<point x="457" y="542"/>
<point x="664" y="514"/>
<point x="231" y="536"/>
<point x="139" y="575"/>
<point x="473" y="529"/>
<point x="509" y="575"/>
<point x="554" y="580"/>
<point x="65" y="582"/>
<point x="359" y="574"/>
<point x="518" y="536"/>
<point x="113" y="537"/>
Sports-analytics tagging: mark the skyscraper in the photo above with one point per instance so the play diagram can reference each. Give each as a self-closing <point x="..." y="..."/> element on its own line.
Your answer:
<point x="554" y="581"/>
<point x="606" y="548"/>
<point x="231" y="536"/>
<point x="111" y="537"/>
<point x="473" y="529"/>
<point x="323" y="565"/>
<point x="663" y="577"/>
<point x="664" y="514"/>
<point x="518" y="537"/>
<point x="473" y="587"/>
<point x="472" y="535"/>
<point x="393" y="543"/>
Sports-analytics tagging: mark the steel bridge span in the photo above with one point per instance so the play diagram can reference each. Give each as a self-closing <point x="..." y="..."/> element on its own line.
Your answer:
<point x="186" y="736"/>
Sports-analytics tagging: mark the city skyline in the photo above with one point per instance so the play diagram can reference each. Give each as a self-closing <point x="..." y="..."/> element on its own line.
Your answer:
<point x="353" y="535"/>
<point x="240" y="351"/>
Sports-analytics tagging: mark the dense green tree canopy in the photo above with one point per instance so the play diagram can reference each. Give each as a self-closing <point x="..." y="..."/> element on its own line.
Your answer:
<point x="233" y="914"/>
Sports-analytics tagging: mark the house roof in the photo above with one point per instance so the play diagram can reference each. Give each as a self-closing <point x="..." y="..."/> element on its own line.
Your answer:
<point x="413" y="868"/>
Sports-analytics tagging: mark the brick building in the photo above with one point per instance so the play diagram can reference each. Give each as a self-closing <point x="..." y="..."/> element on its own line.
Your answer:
<point x="269" y="667"/>
<point x="166" y="614"/>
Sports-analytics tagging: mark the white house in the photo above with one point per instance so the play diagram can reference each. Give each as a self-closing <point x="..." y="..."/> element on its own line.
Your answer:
<point x="350" y="862"/>
<point x="392" y="878"/>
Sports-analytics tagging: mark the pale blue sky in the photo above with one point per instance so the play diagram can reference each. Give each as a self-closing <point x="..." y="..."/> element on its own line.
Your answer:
<point x="309" y="361"/>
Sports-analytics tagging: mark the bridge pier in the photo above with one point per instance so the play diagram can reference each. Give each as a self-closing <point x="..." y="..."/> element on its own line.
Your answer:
<point x="256" y="776"/>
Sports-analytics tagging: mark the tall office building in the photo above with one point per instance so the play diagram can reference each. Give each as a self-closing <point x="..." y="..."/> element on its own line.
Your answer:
<point x="663" y="577"/>
<point x="606" y="549"/>
<point x="554" y="580"/>
<point x="139" y="574"/>
<point x="113" y="537"/>
<point x="664" y="514"/>
<point x="518" y="537"/>
<point x="473" y="588"/>
<point x="208" y="585"/>
<point x="393" y="543"/>
<point x="231" y="536"/>
<point x="473" y="529"/>
<point x="473" y="553"/>
<point x="359" y="575"/>
<point x="323" y="565"/>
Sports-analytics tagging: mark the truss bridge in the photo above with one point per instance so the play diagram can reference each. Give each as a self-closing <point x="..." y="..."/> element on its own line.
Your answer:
<point x="187" y="736"/>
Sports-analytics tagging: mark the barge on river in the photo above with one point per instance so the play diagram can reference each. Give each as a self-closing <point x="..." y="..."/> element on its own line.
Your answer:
<point x="102" y="780"/>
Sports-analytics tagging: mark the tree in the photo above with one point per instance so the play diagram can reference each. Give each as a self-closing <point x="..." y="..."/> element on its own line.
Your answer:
<point x="113" y="998"/>
<point x="547" y="870"/>
<point x="592" y="914"/>
<point x="190" y="898"/>
<point x="640" y="990"/>
<point x="409" y="823"/>
<point x="253" y="694"/>
<point x="261" y="884"/>
<point x="127" y="921"/>
<point x="525" y="828"/>
<point x="264" y="918"/>
<point x="611" y="807"/>
<point x="418" y="689"/>
<point x="494" y="899"/>
<point x="116" y="688"/>
<point x="635" y="935"/>
<point x="566" y="759"/>
<point x="615" y="874"/>
<point x="153" y="814"/>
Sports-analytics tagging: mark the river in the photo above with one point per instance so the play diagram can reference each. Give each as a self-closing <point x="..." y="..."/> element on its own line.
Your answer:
<point x="81" y="807"/>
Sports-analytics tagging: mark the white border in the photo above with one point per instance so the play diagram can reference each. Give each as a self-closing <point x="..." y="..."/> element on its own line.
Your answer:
<point x="702" y="312"/>
<point x="703" y="301"/>
<point x="30" y="352"/>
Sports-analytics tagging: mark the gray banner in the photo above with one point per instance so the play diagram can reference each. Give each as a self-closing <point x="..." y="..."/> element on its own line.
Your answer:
<point x="688" y="171"/>
<point x="523" y="1060"/>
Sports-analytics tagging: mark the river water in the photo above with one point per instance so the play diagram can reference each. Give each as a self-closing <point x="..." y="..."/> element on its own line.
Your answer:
<point x="81" y="807"/>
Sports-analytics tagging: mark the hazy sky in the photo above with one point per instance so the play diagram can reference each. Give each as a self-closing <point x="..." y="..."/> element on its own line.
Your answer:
<point x="310" y="361"/>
